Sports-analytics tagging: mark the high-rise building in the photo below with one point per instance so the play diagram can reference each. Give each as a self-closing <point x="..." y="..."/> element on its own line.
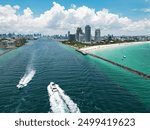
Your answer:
<point x="97" y="35"/>
<point x="81" y="37"/>
<point x="68" y="34"/>
<point x="71" y="37"/>
<point x="87" y="33"/>
<point x="78" y="32"/>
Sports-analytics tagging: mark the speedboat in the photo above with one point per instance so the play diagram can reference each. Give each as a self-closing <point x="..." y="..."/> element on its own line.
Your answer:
<point x="20" y="85"/>
<point x="52" y="88"/>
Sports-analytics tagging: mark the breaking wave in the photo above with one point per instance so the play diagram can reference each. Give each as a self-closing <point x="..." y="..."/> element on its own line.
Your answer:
<point x="26" y="78"/>
<point x="61" y="103"/>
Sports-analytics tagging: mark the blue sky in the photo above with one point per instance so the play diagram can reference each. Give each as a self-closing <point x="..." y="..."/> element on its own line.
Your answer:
<point x="130" y="8"/>
<point x="118" y="17"/>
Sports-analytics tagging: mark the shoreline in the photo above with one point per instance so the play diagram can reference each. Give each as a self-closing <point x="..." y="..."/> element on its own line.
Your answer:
<point x="109" y="46"/>
<point x="7" y="51"/>
<point x="11" y="48"/>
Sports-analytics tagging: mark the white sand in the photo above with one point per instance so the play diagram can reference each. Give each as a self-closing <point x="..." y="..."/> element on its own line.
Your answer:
<point x="102" y="47"/>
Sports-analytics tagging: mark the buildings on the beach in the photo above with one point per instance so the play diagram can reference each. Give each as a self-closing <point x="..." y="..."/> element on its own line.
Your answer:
<point x="86" y="37"/>
<point x="12" y="40"/>
<point x="7" y="43"/>
<point x="79" y="32"/>
<point x="81" y="35"/>
<point x="87" y="33"/>
<point x="71" y="37"/>
<point x="14" y="36"/>
<point x="97" y="35"/>
<point x="12" y="43"/>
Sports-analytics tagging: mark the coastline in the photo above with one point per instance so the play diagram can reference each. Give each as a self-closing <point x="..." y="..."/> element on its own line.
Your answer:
<point x="11" y="48"/>
<point x="109" y="46"/>
<point x="7" y="51"/>
<point x="89" y="50"/>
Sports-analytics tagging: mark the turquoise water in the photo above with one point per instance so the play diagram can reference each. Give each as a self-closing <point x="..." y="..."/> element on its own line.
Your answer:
<point x="90" y="84"/>
<point x="3" y="50"/>
<point x="137" y="56"/>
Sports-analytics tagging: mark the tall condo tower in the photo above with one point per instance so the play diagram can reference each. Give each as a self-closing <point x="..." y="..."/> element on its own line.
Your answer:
<point x="78" y="32"/>
<point x="87" y="33"/>
<point x="97" y="35"/>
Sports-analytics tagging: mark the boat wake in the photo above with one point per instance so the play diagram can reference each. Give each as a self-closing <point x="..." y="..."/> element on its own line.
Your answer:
<point x="59" y="102"/>
<point x="26" y="78"/>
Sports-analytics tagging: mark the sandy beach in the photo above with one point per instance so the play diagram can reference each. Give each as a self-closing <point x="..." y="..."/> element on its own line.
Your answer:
<point x="102" y="47"/>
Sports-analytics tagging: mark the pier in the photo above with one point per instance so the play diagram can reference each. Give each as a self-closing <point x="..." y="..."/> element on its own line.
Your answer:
<point x="119" y="65"/>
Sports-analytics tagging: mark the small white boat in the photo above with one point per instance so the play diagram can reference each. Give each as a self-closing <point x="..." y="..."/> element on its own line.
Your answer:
<point x="124" y="56"/>
<point x="20" y="85"/>
<point x="52" y="88"/>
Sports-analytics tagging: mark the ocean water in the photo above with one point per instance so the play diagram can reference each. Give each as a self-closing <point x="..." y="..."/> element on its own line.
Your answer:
<point x="3" y="50"/>
<point x="136" y="56"/>
<point x="87" y="84"/>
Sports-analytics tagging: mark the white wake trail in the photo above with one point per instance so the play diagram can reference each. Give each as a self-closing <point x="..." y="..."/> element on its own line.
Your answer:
<point x="26" y="78"/>
<point x="59" y="102"/>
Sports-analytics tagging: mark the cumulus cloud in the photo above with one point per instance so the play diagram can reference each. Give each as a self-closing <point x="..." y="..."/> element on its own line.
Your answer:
<point x="28" y="12"/>
<point x="58" y="20"/>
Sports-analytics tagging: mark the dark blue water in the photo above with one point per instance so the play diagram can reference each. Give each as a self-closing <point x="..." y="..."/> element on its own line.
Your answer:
<point x="94" y="85"/>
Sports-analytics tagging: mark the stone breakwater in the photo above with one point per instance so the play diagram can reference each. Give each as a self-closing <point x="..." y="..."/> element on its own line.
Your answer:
<point x="117" y="64"/>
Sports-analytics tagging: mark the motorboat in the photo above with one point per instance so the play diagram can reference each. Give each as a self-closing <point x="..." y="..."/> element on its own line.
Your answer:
<point x="20" y="85"/>
<point x="52" y="88"/>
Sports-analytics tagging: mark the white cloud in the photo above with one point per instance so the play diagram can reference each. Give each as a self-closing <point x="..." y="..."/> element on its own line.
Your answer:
<point x="16" y="7"/>
<point x="73" y="6"/>
<point x="28" y="12"/>
<point x="58" y="20"/>
<point x="147" y="10"/>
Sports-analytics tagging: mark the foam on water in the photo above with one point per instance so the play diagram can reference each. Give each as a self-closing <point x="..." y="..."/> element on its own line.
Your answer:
<point x="29" y="74"/>
<point x="61" y="103"/>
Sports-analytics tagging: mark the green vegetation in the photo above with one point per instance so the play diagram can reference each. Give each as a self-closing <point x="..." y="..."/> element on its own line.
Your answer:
<point x="20" y="42"/>
<point x="79" y="45"/>
<point x="76" y="44"/>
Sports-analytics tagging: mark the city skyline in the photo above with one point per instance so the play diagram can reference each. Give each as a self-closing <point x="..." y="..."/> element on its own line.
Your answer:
<point x="58" y="17"/>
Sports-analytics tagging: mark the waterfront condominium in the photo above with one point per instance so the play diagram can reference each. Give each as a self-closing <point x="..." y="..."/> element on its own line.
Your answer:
<point x="87" y="33"/>
<point x="78" y="32"/>
<point x="97" y="35"/>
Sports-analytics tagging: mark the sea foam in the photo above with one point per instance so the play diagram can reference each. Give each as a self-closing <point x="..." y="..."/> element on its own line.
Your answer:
<point x="29" y="74"/>
<point x="62" y="103"/>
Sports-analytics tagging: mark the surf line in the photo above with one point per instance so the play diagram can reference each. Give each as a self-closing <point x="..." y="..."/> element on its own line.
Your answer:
<point x="121" y="66"/>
